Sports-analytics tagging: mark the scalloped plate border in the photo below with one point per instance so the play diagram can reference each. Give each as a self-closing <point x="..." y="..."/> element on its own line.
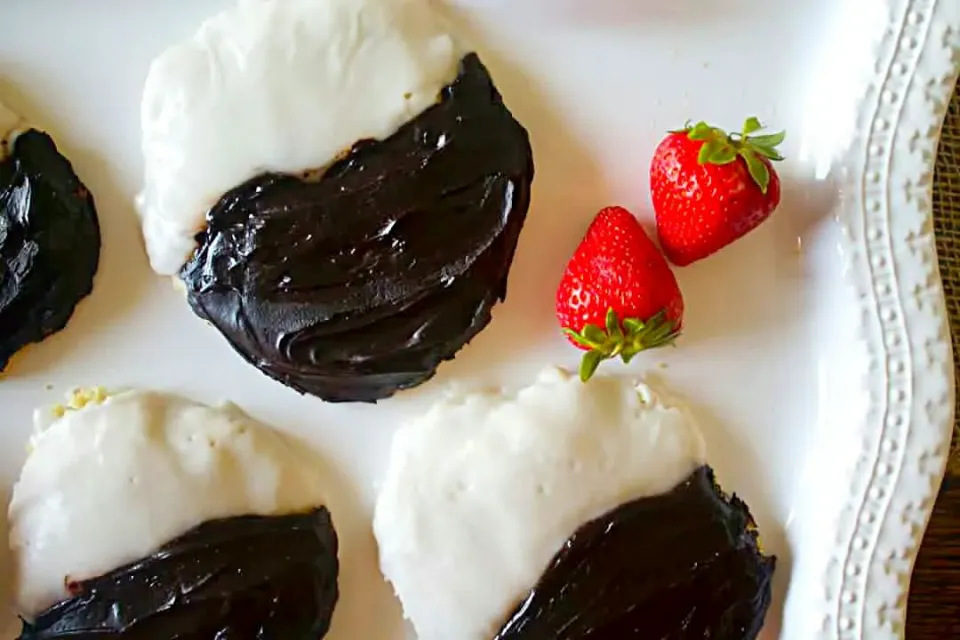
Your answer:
<point x="888" y="217"/>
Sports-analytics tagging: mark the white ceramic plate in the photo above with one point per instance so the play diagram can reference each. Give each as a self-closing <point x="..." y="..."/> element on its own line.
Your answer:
<point x="816" y="352"/>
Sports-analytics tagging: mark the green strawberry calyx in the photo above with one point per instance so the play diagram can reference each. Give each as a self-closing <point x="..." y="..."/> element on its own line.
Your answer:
<point x="622" y="338"/>
<point x="720" y="147"/>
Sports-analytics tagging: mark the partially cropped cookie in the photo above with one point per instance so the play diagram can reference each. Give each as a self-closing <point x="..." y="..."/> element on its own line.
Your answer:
<point x="338" y="185"/>
<point x="49" y="237"/>
<point x="566" y="510"/>
<point x="146" y="515"/>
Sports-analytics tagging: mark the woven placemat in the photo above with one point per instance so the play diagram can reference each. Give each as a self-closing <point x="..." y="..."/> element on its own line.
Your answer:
<point x="946" y="214"/>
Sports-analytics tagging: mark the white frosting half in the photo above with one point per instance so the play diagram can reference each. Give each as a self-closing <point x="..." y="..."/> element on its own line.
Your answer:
<point x="278" y="85"/>
<point x="484" y="489"/>
<point x="110" y="483"/>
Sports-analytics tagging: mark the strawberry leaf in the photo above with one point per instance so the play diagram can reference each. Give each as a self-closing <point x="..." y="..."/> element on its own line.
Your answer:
<point x="752" y="124"/>
<point x="771" y="140"/>
<point x="707" y="151"/>
<point x="767" y="152"/>
<point x="579" y="339"/>
<point x="720" y="148"/>
<point x="622" y="339"/>
<point x="613" y="325"/>
<point x="724" y="154"/>
<point x="589" y="364"/>
<point x="594" y="334"/>
<point x="701" y="131"/>
<point x="717" y="152"/>
<point x="757" y="168"/>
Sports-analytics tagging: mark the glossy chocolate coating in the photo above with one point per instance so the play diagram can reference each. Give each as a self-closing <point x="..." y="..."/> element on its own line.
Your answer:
<point x="49" y="242"/>
<point x="680" y="566"/>
<point x="238" y="578"/>
<point x="358" y="283"/>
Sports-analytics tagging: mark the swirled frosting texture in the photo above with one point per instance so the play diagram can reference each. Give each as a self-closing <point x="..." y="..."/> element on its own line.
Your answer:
<point x="677" y="566"/>
<point x="279" y="86"/>
<point x="49" y="239"/>
<point x="241" y="577"/>
<point x="359" y="282"/>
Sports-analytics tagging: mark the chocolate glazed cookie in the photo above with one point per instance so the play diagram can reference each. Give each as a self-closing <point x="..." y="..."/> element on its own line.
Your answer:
<point x="680" y="566"/>
<point x="359" y="282"/>
<point x="49" y="242"/>
<point x="271" y="577"/>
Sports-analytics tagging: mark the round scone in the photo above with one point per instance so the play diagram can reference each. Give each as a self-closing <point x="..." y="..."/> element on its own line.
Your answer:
<point x="49" y="237"/>
<point x="566" y="510"/>
<point x="339" y="188"/>
<point x="146" y="515"/>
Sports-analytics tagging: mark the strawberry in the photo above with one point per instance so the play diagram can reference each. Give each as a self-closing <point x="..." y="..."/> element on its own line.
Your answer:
<point x="711" y="188"/>
<point x="618" y="295"/>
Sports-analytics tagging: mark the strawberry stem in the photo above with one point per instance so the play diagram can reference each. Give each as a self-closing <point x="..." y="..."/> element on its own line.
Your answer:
<point x="720" y="147"/>
<point x="623" y="339"/>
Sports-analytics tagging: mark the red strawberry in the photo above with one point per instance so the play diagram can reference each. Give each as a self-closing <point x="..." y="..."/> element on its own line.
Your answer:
<point x="710" y="188"/>
<point x="618" y="295"/>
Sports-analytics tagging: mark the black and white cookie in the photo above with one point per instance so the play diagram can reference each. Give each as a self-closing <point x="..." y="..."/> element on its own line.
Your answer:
<point x="339" y="188"/>
<point x="566" y="510"/>
<point x="146" y="515"/>
<point x="49" y="237"/>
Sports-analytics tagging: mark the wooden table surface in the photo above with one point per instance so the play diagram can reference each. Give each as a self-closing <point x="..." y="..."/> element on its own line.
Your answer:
<point x="934" y="609"/>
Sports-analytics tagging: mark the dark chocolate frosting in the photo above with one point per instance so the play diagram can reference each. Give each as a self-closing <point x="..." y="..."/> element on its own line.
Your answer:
<point x="680" y="566"/>
<point x="359" y="282"/>
<point x="49" y="242"/>
<point x="243" y="578"/>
